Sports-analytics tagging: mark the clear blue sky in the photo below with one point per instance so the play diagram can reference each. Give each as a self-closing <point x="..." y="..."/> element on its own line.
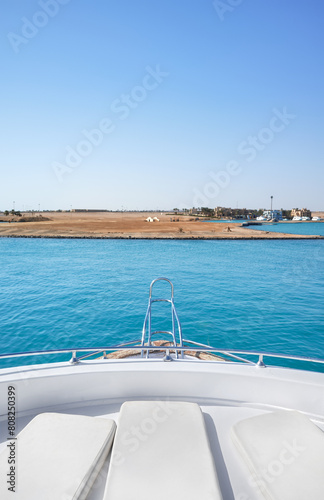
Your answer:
<point x="199" y="103"/>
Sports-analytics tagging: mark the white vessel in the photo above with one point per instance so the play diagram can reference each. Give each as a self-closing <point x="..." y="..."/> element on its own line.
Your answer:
<point x="297" y="218"/>
<point x="193" y="422"/>
<point x="316" y="218"/>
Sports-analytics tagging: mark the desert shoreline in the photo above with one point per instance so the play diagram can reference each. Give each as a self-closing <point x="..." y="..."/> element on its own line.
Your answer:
<point x="133" y="225"/>
<point x="283" y="236"/>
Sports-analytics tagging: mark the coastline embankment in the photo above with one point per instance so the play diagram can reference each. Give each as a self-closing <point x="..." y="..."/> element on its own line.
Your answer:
<point x="133" y="225"/>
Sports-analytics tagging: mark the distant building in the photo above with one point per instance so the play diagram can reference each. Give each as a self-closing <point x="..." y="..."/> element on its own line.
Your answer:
<point x="235" y="213"/>
<point x="272" y="214"/>
<point x="194" y="211"/>
<point x="303" y="212"/>
<point x="223" y="212"/>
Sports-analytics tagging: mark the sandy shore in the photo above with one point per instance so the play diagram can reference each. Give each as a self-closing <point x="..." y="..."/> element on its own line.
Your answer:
<point x="132" y="225"/>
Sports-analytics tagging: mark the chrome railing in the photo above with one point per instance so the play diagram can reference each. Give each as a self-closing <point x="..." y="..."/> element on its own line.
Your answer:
<point x="234" y="355"/>
<point x="147" y="332"/>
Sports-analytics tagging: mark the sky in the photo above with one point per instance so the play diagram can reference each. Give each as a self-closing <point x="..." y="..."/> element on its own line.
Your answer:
<point x="147" y="104"/>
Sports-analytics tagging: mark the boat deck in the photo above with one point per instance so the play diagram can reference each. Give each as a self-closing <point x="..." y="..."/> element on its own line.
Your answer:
<point x="233" y="476"/>
<point x="228" y="393"/>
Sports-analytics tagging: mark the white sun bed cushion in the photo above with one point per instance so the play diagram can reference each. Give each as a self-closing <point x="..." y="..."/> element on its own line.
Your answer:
<point x="284" y="451"/>
<point x="57" y="457"/>
<point x="161" y="450"/>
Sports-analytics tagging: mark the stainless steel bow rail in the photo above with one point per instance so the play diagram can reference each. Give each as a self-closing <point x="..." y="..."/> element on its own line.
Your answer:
<point x="147" y="332"/>
<point x="195" y="347"/>
<point x="174" y="351"/>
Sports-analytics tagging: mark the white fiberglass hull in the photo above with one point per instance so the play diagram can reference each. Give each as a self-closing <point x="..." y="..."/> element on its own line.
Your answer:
<point x="226" y="392"/>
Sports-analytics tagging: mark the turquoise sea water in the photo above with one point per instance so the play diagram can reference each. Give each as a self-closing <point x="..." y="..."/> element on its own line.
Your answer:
<point x="308" y="228"/>
<point x="226" y="220"/>
<point x="263" y="295"/>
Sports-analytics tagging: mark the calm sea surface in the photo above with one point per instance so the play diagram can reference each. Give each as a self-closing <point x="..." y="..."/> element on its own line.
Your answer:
<point x="293" y="228"/>
<point x="263" y="295"/>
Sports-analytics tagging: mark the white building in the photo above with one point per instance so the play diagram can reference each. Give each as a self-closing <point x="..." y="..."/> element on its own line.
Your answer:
<point x="272" y="214"/>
